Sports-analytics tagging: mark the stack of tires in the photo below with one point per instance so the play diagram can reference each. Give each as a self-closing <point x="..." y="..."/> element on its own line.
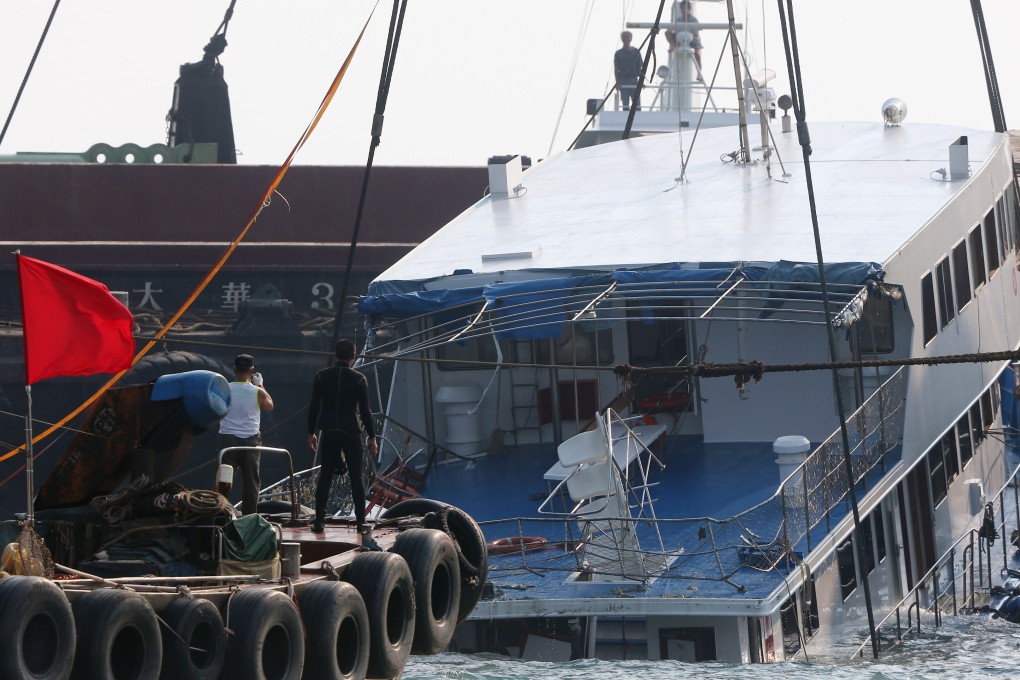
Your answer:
<point x="388" y="605"/>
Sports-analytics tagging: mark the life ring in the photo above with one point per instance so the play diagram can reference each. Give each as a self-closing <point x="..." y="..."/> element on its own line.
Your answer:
<point x="466" y="535"/>
<point x="385" y="583"/>
<point x="194" y="640"/>
<point x="435" y="569"/>
<point x="516" y="544"/>
<point x="36" y="629"/>
<point x="336" y="623"/>
<point x="267" y="639"/>
<point x="118" y="636"/>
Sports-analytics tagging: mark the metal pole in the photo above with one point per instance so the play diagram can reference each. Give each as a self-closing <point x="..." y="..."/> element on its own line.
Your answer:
<point x="29" y="462"/>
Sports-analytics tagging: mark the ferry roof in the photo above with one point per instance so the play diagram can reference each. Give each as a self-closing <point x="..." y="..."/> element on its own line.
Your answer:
<point x="620" y="205"/>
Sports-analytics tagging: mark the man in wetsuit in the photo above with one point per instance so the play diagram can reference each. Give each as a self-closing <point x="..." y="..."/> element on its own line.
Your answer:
<point x="339" y="397"/>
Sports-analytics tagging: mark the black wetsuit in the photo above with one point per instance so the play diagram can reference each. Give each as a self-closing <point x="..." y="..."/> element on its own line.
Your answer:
<point x="339" y="397"/>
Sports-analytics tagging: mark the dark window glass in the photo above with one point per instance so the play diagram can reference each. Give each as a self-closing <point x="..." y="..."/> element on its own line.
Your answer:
<point x="1005" y="237"/>
<point x="577" y="345"/>
<point x="930" y="320"/>
<point x="937" y="473"/>
<point x="847" y="570"/>
<point x="473" y="349"/>
<point x="964" y="435"/>
<point x="977" y="433"/>
<point x="977" y="256"/>
<point x="875" y="329"/>
<point x="947" y="309"/>
<point x="961" y="275"/>
<point x="991" y="244"/>
<point x="987" y="411"/>
<point x="657" y="333"/>
<point x="879" y="523"/>
<point x="867" y="545"/>
<point x="950" y="455"/>
<point x="1011" y="217"/>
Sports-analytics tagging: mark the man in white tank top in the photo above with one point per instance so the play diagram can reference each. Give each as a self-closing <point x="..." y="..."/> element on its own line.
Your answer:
<point x="240" y="427"/>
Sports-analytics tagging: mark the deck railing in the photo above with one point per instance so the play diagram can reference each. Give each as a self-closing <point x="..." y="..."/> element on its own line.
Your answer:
<point x="755" y="541"/>
<point x="963" y="580"/>
<point x="743" y="550"/>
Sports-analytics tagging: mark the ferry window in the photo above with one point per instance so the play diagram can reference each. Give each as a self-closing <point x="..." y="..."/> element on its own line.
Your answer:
<point x="879" y="522"/>
<point x="991" y="243"/>
<point x="963" y="434"/>
<point x="658" y="336"/>
<point x="987" y="412"/>
<point x="977" y="433"/>
<point x="977" y="256"/>
<point x="875" y="329"/>
<point x="1004" y="235"/>
<point x="1011" y="216"/>
<point x="947" y="310"/>
<point x="847" y="570"/>
<point x="929" y="319"/>
<point x="867" y="545"/>
<point x="578" y="344"/>
<point x="994" y="390"/>
<point x="937" y="473"/>
<point x="950" y="455"/>
<point x="961" y="274"/>
<point x="475" y="349"/>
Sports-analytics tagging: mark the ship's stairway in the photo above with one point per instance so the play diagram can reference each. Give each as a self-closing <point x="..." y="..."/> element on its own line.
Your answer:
<point x="620" y="638"/>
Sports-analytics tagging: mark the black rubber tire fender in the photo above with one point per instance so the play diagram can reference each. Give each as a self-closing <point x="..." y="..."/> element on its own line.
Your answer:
<point x="156" y="365"/>
<point x="267" y="641"/>
<point x="385" y="583"/>
<point x="118" y="637"/>
<point x="336" y="623"/>
<point x="435" y="568"/>
<point x="36" y="630"/>
<point x="194" y="640"/>
<point x="467" y="536"/>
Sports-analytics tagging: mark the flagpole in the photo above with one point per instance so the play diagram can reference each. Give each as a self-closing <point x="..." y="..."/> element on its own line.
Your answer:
<point x="29" y="462"/>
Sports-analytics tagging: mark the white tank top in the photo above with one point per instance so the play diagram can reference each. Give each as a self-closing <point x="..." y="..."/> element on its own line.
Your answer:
<point x="242" y="419"/>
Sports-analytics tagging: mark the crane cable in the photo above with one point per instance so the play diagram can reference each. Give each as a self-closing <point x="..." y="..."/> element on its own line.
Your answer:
<point x="28" y="72"/>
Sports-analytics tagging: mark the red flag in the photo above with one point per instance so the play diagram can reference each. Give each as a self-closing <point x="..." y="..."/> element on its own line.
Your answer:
<point x="72" y="325"/>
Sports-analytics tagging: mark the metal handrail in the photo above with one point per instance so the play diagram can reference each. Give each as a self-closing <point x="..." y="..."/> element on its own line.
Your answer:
<point x="948" y="559"/>
<point x="290" y="471"/>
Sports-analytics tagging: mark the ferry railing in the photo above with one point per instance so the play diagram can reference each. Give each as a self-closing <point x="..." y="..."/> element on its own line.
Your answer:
<point x="749" y="550"/>
<point x="290" y="469"/>
<point x="967" y="562"/>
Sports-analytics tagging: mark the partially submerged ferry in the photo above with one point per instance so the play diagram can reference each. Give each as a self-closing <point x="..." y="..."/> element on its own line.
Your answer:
<point x="691" y="425"/>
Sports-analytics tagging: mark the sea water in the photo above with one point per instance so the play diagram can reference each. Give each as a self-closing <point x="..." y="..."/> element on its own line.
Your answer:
<point x="964" y="647"/>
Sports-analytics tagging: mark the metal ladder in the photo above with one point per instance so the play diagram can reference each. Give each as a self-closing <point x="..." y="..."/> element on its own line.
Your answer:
<point x="524" y="391"/>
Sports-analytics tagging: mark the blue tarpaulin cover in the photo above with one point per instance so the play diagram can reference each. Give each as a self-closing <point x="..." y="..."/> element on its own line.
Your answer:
<point x="542" y="296"/>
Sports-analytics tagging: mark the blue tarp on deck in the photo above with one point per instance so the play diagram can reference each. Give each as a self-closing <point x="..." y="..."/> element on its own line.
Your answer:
<point x="545" y="296"/>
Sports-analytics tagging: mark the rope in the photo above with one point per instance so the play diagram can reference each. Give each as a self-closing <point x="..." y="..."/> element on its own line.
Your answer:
<point x="389" y="60"/>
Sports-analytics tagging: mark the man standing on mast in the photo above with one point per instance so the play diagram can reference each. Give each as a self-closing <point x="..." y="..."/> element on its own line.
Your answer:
<point x="627" y="67"/>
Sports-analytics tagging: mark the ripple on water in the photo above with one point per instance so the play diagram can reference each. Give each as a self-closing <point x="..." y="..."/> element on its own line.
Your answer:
<point x="965" y="647"/>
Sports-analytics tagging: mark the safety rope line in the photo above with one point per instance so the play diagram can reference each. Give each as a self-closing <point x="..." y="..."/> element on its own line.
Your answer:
<point x="263" y="202"/>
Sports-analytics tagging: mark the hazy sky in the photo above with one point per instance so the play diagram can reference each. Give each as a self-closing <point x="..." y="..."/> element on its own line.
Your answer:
<point x="473" y="78"/>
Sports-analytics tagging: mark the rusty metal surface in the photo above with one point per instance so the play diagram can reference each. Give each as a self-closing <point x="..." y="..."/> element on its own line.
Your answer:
<point x="99" y="456"/>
